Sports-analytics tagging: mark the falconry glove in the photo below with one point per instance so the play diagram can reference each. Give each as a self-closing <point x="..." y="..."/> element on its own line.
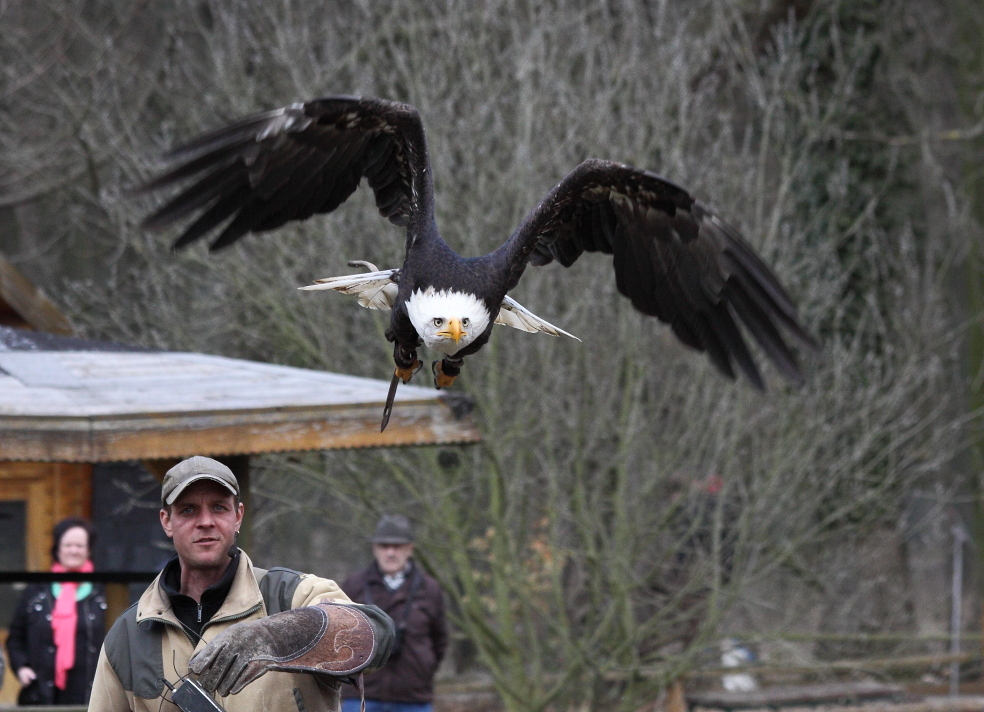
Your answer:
<point x="331" y="639"/>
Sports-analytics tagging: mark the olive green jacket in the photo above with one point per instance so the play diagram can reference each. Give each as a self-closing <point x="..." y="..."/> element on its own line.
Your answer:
<point x="147" y="643"/>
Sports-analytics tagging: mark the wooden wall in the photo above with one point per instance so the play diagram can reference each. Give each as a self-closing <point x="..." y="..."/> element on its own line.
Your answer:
<point x="53" y="491"/>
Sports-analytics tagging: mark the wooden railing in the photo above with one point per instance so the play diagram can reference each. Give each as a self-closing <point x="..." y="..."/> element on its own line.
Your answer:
<point x="116" y="582"/>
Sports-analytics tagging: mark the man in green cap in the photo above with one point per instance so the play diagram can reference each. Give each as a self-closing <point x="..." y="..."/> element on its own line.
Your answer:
<point x="257" y="639"/>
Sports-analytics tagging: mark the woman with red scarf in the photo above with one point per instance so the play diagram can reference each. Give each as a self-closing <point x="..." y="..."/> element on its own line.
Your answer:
<point x="58" y="628"/>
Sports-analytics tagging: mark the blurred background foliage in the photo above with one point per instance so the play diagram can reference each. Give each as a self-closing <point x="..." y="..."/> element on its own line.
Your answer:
<point x="628" y="506"/>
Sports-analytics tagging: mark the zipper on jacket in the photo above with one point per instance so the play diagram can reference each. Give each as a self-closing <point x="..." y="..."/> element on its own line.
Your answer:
<point x="89" y="601"/>
<point x="234" y="617"/>
<point x="199" y="612"/>
<point x="180" y="626"/>
<point x="225" y="619"/>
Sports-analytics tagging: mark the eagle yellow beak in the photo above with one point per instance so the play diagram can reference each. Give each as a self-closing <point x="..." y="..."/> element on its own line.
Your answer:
<point x="452" y="331"/>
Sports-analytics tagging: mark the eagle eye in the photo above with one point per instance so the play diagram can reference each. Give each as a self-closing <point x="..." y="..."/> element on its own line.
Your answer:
<point x="438" y="321"/>
<point x="466" y="321"/>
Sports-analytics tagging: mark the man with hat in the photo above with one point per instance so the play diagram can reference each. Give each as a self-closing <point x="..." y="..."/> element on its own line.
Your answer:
<point x="258" y="639"/>
<point x="414" y="601"/>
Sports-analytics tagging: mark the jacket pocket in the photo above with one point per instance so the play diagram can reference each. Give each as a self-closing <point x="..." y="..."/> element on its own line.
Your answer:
<point x="30" y="696"/>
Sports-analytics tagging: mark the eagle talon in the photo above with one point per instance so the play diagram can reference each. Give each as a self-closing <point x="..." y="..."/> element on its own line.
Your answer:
<point x="441" y="379"/>
<point x="405" y="374"/>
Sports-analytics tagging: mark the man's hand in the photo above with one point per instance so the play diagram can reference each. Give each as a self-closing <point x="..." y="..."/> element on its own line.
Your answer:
<point x="329" y="638"/>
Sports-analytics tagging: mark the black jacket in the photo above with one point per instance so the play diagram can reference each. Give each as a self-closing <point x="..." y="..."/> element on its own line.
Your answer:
<point x="32" y="644"/>
<point x="409" y="675"/>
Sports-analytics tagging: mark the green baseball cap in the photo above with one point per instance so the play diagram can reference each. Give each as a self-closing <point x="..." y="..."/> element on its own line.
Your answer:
<point x="192" y="470"/>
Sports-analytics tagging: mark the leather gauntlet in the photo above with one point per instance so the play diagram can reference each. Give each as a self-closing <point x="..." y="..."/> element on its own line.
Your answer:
<point x="333" y="639"/>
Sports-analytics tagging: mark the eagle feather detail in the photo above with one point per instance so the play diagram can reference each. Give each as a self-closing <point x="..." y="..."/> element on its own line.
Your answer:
<point x="375" y="290"/>
<point x="514" y="314"/>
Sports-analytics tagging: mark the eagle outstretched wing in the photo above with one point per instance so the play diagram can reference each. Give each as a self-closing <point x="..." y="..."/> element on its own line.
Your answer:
<point x="674" y="259"/>
<point x="290" y="163"/>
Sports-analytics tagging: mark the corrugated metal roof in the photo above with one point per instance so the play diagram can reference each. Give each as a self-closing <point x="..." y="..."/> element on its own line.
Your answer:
<point x="84" y="383"/>
<point x="12" y="339"/>
<point x="81" y="404"/>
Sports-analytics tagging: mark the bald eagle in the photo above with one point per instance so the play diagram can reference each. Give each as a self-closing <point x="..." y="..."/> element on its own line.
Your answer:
<point x="673" y="257"/>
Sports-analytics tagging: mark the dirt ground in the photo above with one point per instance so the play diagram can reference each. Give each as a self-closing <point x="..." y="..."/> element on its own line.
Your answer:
<point x="963" y="703"/>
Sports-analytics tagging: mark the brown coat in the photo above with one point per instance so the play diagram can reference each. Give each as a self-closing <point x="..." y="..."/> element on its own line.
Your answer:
<point x="409" y="677"/>
<point x="274" y="691"/>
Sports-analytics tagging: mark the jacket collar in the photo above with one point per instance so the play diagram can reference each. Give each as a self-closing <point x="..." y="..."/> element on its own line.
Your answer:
<point x="376" y="574"/>
<point x="244" y="595"/>
<point x="384" y="596"/>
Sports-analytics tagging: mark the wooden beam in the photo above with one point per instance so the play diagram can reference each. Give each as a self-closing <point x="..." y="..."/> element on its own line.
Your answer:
<point x="800" y="696"/>
<point x="21" y="298"/>
<point x="159" y="468"/>
<point x="154" y="437"/>
<point x="117" y="601"/>
<point x="10" y="317"/>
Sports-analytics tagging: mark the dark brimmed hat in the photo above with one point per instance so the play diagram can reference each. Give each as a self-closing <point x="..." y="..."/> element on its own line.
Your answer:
<point x="192" y="470"/>
<point x="392" y="529"/>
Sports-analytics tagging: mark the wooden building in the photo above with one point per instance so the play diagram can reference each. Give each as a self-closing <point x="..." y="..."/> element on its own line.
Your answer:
<point x="67" y="403"/>
<point x="69" y="406"/>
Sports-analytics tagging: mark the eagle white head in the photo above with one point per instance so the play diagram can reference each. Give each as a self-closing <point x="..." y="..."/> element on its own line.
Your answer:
<point x="447" y="321"/>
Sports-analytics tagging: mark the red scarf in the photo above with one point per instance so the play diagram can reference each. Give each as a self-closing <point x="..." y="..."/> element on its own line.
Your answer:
<point x="63" y="621"/>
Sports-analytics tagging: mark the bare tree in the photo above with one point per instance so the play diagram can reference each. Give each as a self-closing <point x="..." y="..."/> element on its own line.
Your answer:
<point x="626" y="498"/>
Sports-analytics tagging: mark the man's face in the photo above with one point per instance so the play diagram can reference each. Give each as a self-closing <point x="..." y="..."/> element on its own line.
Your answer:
<point x="203" y="523"/>
<point x="392" y="558"/>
